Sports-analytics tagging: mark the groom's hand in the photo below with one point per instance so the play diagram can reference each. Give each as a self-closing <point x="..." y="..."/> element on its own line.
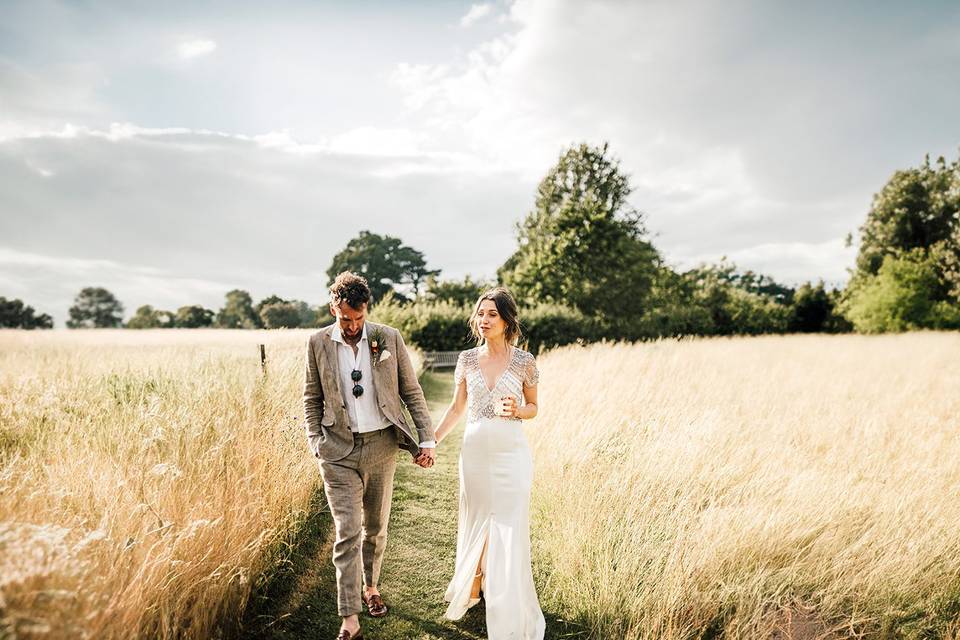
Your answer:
<point x="426" y="458"/>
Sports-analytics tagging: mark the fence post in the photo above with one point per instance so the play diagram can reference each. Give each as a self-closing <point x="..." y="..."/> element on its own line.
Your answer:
<point x="263" y="358"/>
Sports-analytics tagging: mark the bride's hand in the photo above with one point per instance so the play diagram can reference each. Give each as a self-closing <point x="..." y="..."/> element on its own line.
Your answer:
<point x="507" y="407"/>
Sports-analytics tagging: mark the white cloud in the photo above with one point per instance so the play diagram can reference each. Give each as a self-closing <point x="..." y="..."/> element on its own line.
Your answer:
<point x="174" y="217"/>
<point x="195" y="48"/>
<point x="735" y="138"/>
<point x="476" y="13"/>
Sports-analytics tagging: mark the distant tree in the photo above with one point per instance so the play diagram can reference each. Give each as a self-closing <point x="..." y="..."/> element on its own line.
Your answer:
<point x="14" y="314"/>
<point x="460" y="292"/>
<point x="281" y="315"/>
<point x="905" y="294"/>
<point x="583" y="244"/>
<point x="732" y="307"/>
<point x="95" y="307"/>
<point x="311" y="316"/>
<point x="146" y="317"/>
<point x="238" y="312"/>
<point x="269" y="300"/>
<point x="814" y="309"/>
<point x="193" y="317"/>
<point x="384" y="261"/>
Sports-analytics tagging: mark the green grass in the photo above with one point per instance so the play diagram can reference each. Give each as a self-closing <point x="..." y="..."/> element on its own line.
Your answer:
<point x="300" y="600"/>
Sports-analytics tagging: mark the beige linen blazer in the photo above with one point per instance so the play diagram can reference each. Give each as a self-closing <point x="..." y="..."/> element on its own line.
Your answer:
<point x="325" y="414"/>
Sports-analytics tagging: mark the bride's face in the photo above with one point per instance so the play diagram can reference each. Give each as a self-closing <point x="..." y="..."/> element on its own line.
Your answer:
<point x="490" y="323"/>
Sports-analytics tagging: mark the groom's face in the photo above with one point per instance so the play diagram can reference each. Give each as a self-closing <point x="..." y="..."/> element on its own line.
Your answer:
<point x="350" y="319"/>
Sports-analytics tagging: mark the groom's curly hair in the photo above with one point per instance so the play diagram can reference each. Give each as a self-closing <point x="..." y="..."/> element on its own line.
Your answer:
<point x="350" y="288"/>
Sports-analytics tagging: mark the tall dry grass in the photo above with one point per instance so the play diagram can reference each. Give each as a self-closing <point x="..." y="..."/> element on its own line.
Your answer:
<point x="147" y="478"/>
<point x="767" y="487"/>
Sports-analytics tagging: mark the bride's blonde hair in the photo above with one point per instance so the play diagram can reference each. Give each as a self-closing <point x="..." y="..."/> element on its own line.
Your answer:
<point x="506" y="307"/>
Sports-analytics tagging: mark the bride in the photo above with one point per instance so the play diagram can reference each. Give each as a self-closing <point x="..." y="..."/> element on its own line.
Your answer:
<point x="496" y="473"/>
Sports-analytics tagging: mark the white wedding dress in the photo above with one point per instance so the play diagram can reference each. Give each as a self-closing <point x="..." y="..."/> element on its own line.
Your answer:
<point x="496" y="473"/>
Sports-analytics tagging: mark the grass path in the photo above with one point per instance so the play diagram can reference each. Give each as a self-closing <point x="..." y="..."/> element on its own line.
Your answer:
<point x="301" y="601"/>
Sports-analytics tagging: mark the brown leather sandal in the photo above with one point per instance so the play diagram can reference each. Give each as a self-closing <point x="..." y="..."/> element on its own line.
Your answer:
<point x="375" y="606"/>
<point x="345" y="635"/>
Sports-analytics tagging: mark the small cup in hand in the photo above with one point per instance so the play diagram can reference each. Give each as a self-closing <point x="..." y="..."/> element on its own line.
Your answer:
<point x="506" y="407"/>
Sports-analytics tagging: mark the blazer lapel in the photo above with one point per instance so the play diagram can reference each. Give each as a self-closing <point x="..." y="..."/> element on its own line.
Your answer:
<point x="330" y="348"/>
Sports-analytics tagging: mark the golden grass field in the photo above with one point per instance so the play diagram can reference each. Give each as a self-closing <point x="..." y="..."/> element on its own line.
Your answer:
<point x="791" y="487"/>
<point x="146" y="477"/>
<point x="800" y="486"/>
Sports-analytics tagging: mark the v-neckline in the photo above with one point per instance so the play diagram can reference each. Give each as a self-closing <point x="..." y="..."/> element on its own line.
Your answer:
<point x="496" y="381"/>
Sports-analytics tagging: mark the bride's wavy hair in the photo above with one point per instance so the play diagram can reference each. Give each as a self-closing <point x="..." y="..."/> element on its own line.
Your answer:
<point x="506" y="307"/>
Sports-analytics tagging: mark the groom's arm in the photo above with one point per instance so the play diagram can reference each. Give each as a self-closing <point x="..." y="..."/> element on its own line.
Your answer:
<point x="312" y="400"/>
<point x="412" y="394"/>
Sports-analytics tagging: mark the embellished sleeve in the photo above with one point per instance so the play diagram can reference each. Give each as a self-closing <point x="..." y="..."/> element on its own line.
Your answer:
<point x="461" y="371"/>
<point x="531" y="375"/>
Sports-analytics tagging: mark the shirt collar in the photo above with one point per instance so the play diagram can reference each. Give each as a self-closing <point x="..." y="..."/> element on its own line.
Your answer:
<point x="337" y="335"/>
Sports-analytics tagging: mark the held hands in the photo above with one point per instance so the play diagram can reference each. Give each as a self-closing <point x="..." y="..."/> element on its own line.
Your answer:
<point x="507" y="407"/>
<point x="426" y="458"/>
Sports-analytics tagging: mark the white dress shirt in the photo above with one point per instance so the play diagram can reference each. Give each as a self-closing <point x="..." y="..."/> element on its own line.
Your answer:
<point x="364" y="412"/>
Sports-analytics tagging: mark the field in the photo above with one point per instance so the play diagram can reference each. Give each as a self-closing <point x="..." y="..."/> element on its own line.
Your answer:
<point x="156" y="484"/>
<point x="146" y="478"/>
<point x="802" y="486"/>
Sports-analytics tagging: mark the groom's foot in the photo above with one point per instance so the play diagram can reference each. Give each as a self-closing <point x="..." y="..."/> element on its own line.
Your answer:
<point x="350" y="629"/>
<point x="374" y="602"/>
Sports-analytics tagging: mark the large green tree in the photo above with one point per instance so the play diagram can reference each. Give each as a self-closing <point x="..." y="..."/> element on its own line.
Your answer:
<point x="384" y="261"/>
<point x="908" y="267"/>
<point x="905" y="294"/>
<point x="14" y="314"/>
<point x="917" y="208"/>
<point x="583" y="244"/>
<point x="95" y="307"/>
<point x="238" y="311"/>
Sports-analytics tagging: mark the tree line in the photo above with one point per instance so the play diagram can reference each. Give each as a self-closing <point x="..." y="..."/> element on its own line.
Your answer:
<point x="586" y="268"/>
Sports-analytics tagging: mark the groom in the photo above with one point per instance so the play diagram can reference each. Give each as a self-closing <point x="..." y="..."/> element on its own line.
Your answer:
<point x="358" y="379"/>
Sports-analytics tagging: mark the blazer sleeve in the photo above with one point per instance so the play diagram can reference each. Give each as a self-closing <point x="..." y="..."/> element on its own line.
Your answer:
<point x="412" y="394"/>
<point x="312" y="399"/>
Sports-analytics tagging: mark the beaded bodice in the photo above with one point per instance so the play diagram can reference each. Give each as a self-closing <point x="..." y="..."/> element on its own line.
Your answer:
<point x="521" y="371"/>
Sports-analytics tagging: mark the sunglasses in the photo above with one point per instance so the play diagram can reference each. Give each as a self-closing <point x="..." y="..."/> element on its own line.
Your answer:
<point x="355" y="375"/>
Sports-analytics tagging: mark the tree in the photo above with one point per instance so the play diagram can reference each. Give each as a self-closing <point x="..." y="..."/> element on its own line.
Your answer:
<point x="905" y="294"/>
<point x="193" y="317"/>
<point x="269" y="300"/>
<point x="95" y="307"/>
<point x="582" y="243"/>
<point x="281" y="315"/>
<point x="814" y="309"/>
<point x="917" y="208"/>
<point x="460" y="292"/>
<point x="146" y="317"/>
<point x="14" y="314"/>
<point x="907" y="274"/>
<point x="384" y="261"/>
<point x="238" y="311"/>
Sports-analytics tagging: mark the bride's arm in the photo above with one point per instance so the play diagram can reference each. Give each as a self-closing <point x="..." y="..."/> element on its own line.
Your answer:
<point x="454" y="412"/>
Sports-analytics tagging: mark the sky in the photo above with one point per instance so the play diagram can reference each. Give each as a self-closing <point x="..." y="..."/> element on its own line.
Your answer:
<point x="173" y="151"/>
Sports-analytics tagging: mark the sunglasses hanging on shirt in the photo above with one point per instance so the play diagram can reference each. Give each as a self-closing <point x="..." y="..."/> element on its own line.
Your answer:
<point x="355" y="375"/>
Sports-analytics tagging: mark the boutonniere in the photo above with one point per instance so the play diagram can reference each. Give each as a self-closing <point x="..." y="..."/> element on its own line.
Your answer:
<point x="378" y="352"/>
